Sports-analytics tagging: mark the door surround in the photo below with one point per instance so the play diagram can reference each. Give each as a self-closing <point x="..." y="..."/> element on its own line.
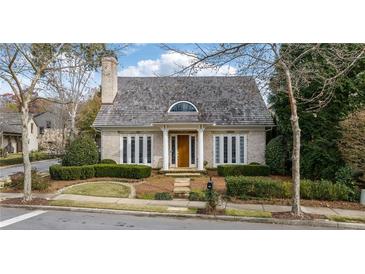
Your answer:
<point x="174" y="161"/>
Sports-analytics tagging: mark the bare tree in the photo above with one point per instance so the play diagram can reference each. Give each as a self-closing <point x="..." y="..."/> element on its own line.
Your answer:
<point x="262" y="61"/>
<point x="70" y="85"/>
<point x="21" y="67"/>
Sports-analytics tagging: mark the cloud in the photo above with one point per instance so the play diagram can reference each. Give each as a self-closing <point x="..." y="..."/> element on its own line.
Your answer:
<point x="169" y="63"/>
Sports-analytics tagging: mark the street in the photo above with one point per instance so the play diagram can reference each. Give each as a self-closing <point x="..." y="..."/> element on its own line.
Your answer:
<point x="41" y="166"/>
<point x="23" y="219"/>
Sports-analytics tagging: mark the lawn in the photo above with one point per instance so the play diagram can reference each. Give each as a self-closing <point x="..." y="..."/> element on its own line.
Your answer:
<point x="101" y="189"/>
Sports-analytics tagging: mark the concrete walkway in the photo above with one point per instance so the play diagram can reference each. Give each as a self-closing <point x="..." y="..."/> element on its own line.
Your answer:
<point x="187" y="203"/>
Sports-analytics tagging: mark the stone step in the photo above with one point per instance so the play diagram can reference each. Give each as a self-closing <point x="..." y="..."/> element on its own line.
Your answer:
<point x="187" y="184"/>
<point x="182" y="180"/>
<point x="183" y="174"/>
<point x="181" y="189"/>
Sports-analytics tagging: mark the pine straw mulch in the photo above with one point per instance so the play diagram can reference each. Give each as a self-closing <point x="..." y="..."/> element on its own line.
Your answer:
<point x="290" y="216"/>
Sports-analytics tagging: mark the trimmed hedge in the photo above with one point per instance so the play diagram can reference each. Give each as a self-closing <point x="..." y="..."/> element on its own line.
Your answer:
<point x="243" y="170"/>
<point x="267" y="188"/>
<point x="163" y="196"/>
<point x="108" y="161"/>
<point x="122" y="171"/>
<point x="59" y="172"/>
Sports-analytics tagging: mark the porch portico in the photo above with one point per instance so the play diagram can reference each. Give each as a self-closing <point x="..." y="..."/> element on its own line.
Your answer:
<point x="183" y="145"/>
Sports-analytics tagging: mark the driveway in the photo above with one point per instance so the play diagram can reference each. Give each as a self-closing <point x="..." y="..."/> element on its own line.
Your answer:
<point x="40" y="165"/>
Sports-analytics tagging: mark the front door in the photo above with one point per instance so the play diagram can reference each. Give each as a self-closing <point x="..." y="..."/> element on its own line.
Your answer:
<point x="183" y="150"/>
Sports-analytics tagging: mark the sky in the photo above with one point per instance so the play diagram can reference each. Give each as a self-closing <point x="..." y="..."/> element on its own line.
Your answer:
<point x="149" y="60"/>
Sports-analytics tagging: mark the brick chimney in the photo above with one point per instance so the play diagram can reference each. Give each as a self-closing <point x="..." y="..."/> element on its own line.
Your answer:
<point x="109" y="77"/>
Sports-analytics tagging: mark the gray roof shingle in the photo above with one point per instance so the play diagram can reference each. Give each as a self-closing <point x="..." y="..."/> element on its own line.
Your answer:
<point x="141" y="101"/>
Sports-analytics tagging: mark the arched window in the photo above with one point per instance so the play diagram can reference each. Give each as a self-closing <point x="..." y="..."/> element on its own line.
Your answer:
<point x="183" y="106"/>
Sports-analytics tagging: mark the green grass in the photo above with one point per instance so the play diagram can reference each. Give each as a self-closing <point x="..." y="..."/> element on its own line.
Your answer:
<point x="146" y="196"/>
<point x="108" y="206"/>
<point x="346" y="219"/>
<point x="101" y="189"/>
<point x="248" y="213"/>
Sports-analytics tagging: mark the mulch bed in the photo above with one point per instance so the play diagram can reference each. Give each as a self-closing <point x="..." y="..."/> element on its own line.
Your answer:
<point x="19" y="201"/>
<point x="304" y="216"/>
<point x="205" y="211"/>
<point x="311" y="203"/>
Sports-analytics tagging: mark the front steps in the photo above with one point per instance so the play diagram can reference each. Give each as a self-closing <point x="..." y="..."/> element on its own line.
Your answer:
<point x="182" y="187"/>
<point x="183" y="172"/>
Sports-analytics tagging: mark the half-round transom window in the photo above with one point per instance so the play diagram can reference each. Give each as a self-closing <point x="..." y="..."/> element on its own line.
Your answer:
<point x="183" y="106"/>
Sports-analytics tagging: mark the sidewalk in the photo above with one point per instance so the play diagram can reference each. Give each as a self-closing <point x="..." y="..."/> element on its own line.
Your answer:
<point x="185" y="203"/>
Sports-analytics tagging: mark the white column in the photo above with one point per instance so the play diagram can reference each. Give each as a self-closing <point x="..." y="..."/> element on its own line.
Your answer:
<point x="165" y="132"/>
<point x="201" y="148"/>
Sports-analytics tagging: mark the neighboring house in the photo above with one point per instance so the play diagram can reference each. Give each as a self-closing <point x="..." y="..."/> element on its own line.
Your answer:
<point x="181" y="122"/>
<point x="11" y="132"/>
<point x="51" y="126"/>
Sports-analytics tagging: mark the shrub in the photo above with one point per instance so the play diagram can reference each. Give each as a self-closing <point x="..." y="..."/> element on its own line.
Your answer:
<point x="254" y="164"/>
<point x="212" y="198"/>
<point x="243" y="170"/>
<point x="257" y="187"/>
<point x="38" y="182"/>
<point x="59" y="172"/>
<point x="122" y="171"/>
<point x="268" y="188"/>
<point x="82" y="151"/>
<point x="277" y="155"/>
<point x="18" y="159"/>
<point x="163" y="196"/>
<point x="344" y="176"/>
<point x="108" y="161"/>
<point x="197" y="196"/>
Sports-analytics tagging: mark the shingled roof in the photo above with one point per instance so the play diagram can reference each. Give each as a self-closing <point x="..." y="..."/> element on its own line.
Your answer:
<point x="141" y="101"/>
<point x="11" y="122"/>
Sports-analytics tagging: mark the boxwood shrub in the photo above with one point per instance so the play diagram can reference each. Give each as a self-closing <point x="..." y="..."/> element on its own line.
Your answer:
<point x="258" y="187"/>
<point x="243" y="170"/>
<point x="122" y="171"/>
<point x="59" y="172"/>
<point x="163" y="196"/>
<point x="108" y="161"/>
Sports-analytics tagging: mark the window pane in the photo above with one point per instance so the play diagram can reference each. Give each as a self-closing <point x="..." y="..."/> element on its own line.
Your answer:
<point x="225" y="149"/>
<point x="133" y="150"/>
<point x="233" y="149"/>
<point x="183" y="107"/>
<point x="140" y="149"/>
<point x="149" y="148"/>
<point x="242" y="148"/>
<point x="173" y="150"/>
<point x="192" y="149"/>
<point x="125" y="150"/>
<point x="217" y="150"/>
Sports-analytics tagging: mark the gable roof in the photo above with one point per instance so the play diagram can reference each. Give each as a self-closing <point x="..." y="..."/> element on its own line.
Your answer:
<point x="141" y="101"/>
<point x="11" y="122"/>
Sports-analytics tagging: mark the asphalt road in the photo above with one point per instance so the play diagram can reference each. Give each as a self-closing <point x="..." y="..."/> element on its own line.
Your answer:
<point x="17" y="218"/>
<point x="41" y="166"/>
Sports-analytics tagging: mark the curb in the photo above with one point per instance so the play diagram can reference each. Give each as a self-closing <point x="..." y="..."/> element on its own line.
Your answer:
<point x="310" y="223"/>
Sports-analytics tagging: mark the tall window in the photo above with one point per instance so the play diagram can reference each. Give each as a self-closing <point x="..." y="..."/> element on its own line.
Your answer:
<point x="125" y="159"/>
<point x="149" y="150"/>
<point x="173" y="150"/>
<point x="225" y="149"/>
<point x="233" y="142"/>
<point x="192" y="150"/>
<point x="217" y="149"/>
<point x="48" y="124"/>
<point x="229" y="149"/>
<point x="183" y="107"/>
<point x="140" y="151"/>
<point x="31" y="128"/>
<point x="136" y="149"/>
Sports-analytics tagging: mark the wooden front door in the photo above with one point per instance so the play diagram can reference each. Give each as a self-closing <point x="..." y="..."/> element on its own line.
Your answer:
<point x="183" y="150"/>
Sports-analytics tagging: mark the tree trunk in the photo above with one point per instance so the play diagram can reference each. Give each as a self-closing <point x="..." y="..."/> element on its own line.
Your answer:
<point x="73" y="122"/>
<point x="296" y="144"/>
<point x="26" y="160"/>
